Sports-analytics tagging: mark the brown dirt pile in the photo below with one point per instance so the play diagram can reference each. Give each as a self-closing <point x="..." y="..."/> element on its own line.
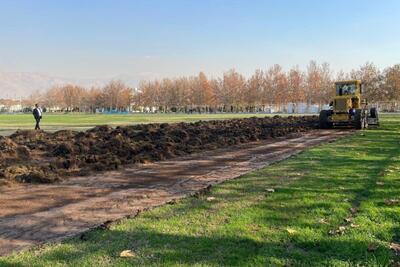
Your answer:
<point x="41" y="157"/>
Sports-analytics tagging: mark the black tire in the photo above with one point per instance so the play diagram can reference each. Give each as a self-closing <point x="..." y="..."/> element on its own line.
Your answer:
<point x="358" y="119"/>
<point x="373" y="113"/>
<point x="324" y="122"/>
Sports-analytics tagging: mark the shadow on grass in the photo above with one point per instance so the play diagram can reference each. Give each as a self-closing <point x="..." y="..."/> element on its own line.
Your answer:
<point x="169" y="249"/>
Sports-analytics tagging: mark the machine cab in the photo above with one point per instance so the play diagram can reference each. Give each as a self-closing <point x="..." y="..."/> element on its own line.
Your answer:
<point x="348" y="88"/>
<point x="347" y="96"/>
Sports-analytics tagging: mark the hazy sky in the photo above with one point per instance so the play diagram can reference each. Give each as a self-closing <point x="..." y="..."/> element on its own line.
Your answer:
<point x="101" y="38"/>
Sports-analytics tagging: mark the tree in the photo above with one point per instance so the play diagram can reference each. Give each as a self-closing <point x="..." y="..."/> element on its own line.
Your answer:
<point x="201" y="93"/>
<point x="326" y="91"/>
<point x="116" y="95"/>
<point x="296" y="86"/>
<point x="54" y="97"/>
<point x="233" y="85"/>
<point x="371" y="78"/>
<point x="207" y="88"/>
<point x="278" y="86"/>
<point x="319" y="84"/>
<point x="93" y="99"/>
<point x="391" y="83"/>
<point x="72" y="96"/>
<point x="254" y="90"/>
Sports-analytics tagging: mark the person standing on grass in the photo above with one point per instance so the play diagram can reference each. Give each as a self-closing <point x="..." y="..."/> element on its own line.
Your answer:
<point x="37" y="114"/>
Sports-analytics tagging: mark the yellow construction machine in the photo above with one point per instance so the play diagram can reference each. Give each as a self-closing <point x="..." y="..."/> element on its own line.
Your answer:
<point x="348" y="108"/>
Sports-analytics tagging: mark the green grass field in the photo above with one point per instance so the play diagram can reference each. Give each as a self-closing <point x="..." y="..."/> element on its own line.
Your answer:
<point x="79" y="121"/>
<point x="356" y="178"/>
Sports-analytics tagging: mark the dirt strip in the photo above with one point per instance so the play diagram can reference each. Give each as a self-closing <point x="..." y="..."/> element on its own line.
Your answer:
<point x="31" y="215"/>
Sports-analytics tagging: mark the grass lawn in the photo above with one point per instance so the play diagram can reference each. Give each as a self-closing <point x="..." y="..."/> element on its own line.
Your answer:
<point x="333" y="205"/>
<point x="80" y="121"/>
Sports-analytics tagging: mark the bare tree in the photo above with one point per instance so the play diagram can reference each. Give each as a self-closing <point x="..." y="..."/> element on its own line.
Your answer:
<point x="116" y="95"/>
<point x="391" y="86"/>
<point x="296" y="86"/>
<point x="254" y="90"/>
<point x="233" y="84"/>
<point x="372" y="79"/>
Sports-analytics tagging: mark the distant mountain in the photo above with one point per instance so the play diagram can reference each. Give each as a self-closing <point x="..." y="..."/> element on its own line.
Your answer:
<point x="20" y="84"/>
<point x="14" y="85"/>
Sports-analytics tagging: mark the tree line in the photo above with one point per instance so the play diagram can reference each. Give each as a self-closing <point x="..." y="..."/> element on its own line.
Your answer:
<point x="113" y="96"/>
<point x="233" y="92"/>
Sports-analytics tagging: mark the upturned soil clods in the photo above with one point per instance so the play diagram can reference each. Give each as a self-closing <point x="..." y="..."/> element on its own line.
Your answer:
<point x="42" y="157"/>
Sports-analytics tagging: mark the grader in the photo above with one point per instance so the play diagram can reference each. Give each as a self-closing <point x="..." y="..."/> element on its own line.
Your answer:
<point x="348" y="108"/>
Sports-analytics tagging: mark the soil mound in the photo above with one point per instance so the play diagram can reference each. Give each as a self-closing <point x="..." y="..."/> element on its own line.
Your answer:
<point x="41" y="157"/>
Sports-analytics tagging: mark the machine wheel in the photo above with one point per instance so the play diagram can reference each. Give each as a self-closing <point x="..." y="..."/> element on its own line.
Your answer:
<point x="358" y="119"/>
<point x="373" y="112"/>
<point x="324" y="122"/>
